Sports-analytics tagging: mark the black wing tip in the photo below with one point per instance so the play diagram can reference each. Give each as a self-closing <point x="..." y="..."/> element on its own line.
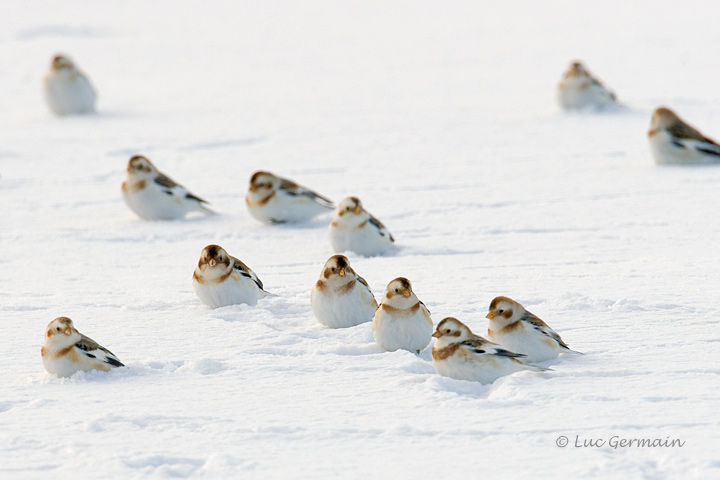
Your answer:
<point x="114" y="362"/>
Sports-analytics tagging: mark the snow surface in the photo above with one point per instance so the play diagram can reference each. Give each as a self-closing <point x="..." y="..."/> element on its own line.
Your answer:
<point x="441" y="118"/>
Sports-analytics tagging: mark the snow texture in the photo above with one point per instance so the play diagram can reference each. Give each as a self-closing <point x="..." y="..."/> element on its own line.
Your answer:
<point x="442" y="118"/>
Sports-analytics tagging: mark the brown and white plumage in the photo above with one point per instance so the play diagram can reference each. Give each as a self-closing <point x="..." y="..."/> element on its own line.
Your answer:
<point x="152" y="195"/>
<point x="221" y="279"/>
<point x="341" y="298"/>
<point x="579" y="89"/>
<point x="402" y="321"/>
<point x="272" y="199"/>
<point x="521" y="331"/>
<point x="462" y="355"/>
<point x="672" y="141"/>
<point x="66" y="351"/>
<point x="67" y="90"/>
<point x="354" y="229"/>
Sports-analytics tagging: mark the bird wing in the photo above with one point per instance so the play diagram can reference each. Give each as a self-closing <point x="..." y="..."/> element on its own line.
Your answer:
<point x="480" y="346"/>
<point x="292" y="188"/>
<point x="173" y="188"/>
<point x="245" y="271"/>
<point x="705" y="146"/>
<point x="92" y="349"/>
<point x="364" y="283"/>
<point x="543" y="328"/>
<point x="381" y="228"/>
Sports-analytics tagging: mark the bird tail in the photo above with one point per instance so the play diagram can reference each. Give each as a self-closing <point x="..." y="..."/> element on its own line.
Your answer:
<point x="207" y="209"/>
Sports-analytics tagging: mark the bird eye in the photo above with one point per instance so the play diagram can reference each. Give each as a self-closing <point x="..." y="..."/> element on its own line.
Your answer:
<point x="500" y="311"/>
<point x="333" y="269"/>
<point x="397" y="291"/>
<point x="447" y="331"/>
<point x="58" y="329"/>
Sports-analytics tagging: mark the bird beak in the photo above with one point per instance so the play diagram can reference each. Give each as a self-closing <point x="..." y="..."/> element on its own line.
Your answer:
<point x="437" y="334"/>
<point x="212" y="262"/>
<point x="490" y="315"/>
<point x="252" y="187"/>
<point x="358" y="210"/>
<point x="406" y="293"/>
<point x="67" y="331"/>
<point x="341" y="272"/>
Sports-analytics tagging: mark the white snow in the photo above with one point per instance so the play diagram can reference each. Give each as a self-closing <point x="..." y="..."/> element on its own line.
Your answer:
<point x="442" y="118"/>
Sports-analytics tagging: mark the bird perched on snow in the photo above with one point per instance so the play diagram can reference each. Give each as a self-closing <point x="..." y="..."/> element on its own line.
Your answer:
<point x="272" y="199"/>
<point x="674" y="141"/>
<point x="518" y="330"/>
<point x="402" y="321"/>
<point x="67" y="90"/>
<point x="220" y="280"/>
<point x="154" y="196"/>
<point x="66" y="351"/>
<point x="462" y="355"/>
<point x="341" y="298"/>
<point x="578" y="89"/>
<point x="354" y="229"/>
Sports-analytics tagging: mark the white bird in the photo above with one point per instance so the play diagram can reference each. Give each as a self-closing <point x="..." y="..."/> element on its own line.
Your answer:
<point x="578" y="90"/>
<point x="272" y="199"/>
<point x="66" y="351"/>
<point x="518" y="330"/>
<point x="354" y="229"/>
<point x="220" y="280"/>
<point x="67" y="90"/>
<point x="152" y="195"/>
<point x="462" y="355"/>
<point x="402" y="321"/>
<point x="341" y="298"/>
<point x="672" y="141"/>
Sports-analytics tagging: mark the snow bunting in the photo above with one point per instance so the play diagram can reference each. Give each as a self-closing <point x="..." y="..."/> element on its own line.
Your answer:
<point x="341" y="298"/>
<point x="674" y="141"/>
<point x="273" y="199"/>
<point x="65" y="350"/>
<point x="67" y="90"/>
<point x="578" y="89"/>
<point x="462" y="355"/>
<point x="402" y="321"/>
<point x="354" y="229"/>
<point x="515" y="328"/>
<point x="220" y="280"/>
<point x="154" y="196"/>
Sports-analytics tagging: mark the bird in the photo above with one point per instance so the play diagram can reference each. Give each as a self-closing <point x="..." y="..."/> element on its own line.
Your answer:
<point x="672" y="141"/>
<point x="341" y="298"/>
<point x="66" y="351"/>
<point x="152" y="195"/>
<point x="354" y="229"/>
<point x="518" y="330"/>
<point x="67" y="90"/>
<point x="402" y="321"/>
<point x="462" y="355"/>
<point x="578" y="90"/>
<point x="220" y="280"/>
<point x="272" y="200"/>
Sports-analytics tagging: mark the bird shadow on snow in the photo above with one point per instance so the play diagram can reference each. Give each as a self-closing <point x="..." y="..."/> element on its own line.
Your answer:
<point x="201" y="366"/>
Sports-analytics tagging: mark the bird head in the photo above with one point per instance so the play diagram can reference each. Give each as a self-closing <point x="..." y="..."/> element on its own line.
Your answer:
<point x="60" y="61"/>
<point x="663" y="117"/>
<point x="61" y="332"/>
<point x="451" y="330"/>
<point x="213" y="256"/>
<point x="349" y="206"/>
<point x="262" y="182"/>
<point x="337" y="267"/>
<point x="505" y="310"/>
<point x="140" y="165"/>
